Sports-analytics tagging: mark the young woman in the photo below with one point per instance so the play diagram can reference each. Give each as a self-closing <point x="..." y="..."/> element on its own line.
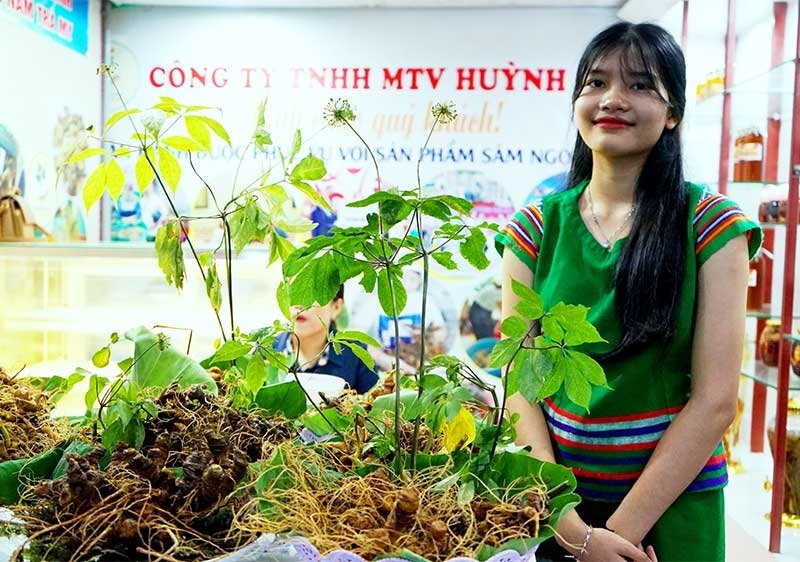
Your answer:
<point x="309" y="343"/>
<point x="663" y="266"/>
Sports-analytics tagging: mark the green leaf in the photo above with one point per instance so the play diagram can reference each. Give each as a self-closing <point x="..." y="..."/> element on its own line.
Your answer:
<point x="157" y="368"/>
<point x="170" y="253"/>
<point x="588" y="367"/>
<point x="198" y="130"/>
<point x="87" y="153"/>
<point x="124" y="151"/>
<point x="96" y="386"/>
<point x="514" y="327"/>
<point x="262" y="138"/>
<point x="436" y="209"/>
<point x="169" y="168"/>
<point x="309" y="168"/>
<point x="231" y="350"/>
<point x="16" y="475"/>
<point x="286" y="397"/>
<point x="385" y="293"/>
<point x="101" y="357"/>
<point x="94" y="186"/>
<point x="76" y="447"/>
<point x="362" y="354"/>
<point x="466" y="492"/>
<point x="284" y="300"/>
<point x="115" y="178"/>
<point x="525" y="292"/>
<point x="578" y="388"/>
<point x="556" y="377"/>
<point x="515" y="374"/>
<point x="354" y="335"/>
<point x="445" y="259"/>
<point x="383" y="406"/>
<point x="573" y="320"/>
<point x="458" y="204"/>
<point x="144" y="171"/>
<point x="537" y="366"/>
<point x="394" y="211"/>
<point x="503" y="351"/>
<point x="215" y="126"/>
<point x="256" y="374"/>
<point x="118" y="116"/>
<point x="369" y="279"/>
<point x="213" y="283"/>
<point x="184" y="144"/>
<point x="552" y="329"/>
<point x="311" y="193"/>
<point x="297" y="141"/>
<point x="473" y="249"/>
<point x="260" y="113"/>
<point x="243" y="225"/>
<point x="377" y="197"/>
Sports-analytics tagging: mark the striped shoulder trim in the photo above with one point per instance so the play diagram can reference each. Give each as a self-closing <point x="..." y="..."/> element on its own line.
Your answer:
<point x="526" y="229"/>
<point x="714" y="214"/>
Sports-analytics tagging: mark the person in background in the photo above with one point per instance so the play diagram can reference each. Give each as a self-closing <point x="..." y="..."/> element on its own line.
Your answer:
<point x="309" y="345"/>
<point x="662" y="265"/>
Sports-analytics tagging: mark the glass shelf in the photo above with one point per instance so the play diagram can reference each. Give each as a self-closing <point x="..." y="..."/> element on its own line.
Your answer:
<point x="766" y="314"/>
<point x="768" y="376"/>
<point x="777" y="80"/>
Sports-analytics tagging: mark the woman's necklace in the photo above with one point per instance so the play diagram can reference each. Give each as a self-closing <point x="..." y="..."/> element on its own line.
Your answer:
<point x="609" y="241"/>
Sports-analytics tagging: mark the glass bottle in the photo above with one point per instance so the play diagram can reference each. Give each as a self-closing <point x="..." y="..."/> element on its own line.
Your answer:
<point x="769" y="341"/>
<point x="752" y="156"/>
<point x="755" y="283"/>
<point x="791" y="484"/>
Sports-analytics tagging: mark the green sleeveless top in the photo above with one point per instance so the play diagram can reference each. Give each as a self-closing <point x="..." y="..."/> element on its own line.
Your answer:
<point x="608" y="448"/>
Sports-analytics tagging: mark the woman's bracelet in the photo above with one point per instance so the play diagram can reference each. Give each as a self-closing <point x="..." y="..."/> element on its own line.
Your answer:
<point x="585" y="544"/>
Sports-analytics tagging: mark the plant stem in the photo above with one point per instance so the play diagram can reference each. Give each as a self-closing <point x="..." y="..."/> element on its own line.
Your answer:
<point x="398" y="442"/>
<point x="229" y="270"/>
<point x="423" y="319"/>
<point x="520" y="347"/>
<point x="294" y="370"/>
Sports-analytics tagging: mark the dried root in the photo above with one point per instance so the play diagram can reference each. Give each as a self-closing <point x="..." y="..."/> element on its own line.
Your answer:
<point x="175" y="497"/>
<point x="375" y="515"/>
<point x="26" y="428"/>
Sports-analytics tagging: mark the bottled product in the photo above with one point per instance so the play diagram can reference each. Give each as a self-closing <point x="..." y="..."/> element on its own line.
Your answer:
<point x="755" y="283"/>
<point x="769" y="342"/>
<point x="751" y="159"/>
<point x="737" y="156"/>
<point x="791" y="483"/>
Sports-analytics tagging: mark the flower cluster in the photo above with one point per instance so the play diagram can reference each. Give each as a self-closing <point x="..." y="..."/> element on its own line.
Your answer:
<point x="445" y="112"/>
<point x="338" y="112"/>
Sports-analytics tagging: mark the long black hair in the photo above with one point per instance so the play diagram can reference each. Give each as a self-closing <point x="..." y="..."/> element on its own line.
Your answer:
<point x="649" y="272"/>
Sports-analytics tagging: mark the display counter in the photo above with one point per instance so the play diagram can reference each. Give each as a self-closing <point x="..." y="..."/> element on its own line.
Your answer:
<point x="61" y="302"/>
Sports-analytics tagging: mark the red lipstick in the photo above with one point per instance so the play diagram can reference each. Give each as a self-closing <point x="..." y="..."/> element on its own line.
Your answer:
<point x="612" y="123"/>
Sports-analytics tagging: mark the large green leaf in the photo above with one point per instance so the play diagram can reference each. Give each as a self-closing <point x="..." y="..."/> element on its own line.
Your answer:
<point x="589" y="368"/>
<point x="514" y="327"/>
<point x="538" y="366"/>
<point x="284" y="397"/>
<point x="17" y="474"/>
<point x="355" y="335"/>
<point x="297" y="142"/>
<point x="184" y="144"/>
<point x="157" y="368"/>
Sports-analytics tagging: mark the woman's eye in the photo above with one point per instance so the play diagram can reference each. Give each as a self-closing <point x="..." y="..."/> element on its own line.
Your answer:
<point x="641" y="86"/>
<point x="596" y="83"/>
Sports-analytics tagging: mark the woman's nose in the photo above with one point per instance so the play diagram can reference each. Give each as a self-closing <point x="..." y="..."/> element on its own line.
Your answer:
<point x="614" y="100"/>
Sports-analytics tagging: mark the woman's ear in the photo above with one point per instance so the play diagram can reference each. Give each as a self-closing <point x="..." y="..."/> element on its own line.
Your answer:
<point x="672" y="122"/>
<point x="336" y="307"/>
